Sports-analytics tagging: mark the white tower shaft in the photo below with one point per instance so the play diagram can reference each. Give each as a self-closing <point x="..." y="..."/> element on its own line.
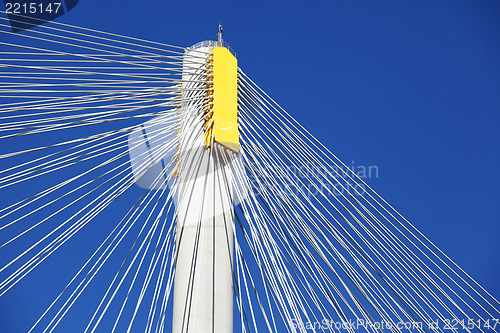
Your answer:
<point x="203" y="287"/>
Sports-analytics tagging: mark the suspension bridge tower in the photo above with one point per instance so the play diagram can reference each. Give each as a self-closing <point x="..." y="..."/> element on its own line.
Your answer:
<point x="208" y="143"/>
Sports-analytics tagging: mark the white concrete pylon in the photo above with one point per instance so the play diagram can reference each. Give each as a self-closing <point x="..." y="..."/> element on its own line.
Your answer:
<point x="203" y="287"/>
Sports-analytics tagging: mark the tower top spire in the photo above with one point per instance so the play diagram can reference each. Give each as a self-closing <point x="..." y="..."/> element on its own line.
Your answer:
<point x="219" y="35"/>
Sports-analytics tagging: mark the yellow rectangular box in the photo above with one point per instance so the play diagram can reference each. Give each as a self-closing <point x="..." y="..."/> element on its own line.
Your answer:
<point x="225" y="99"/>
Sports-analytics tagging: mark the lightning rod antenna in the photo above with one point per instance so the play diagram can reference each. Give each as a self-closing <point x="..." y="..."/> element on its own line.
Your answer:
<point x="219" y="35"/>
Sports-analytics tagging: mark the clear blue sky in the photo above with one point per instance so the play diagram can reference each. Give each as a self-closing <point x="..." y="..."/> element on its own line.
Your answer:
<point x="411" y="87"/>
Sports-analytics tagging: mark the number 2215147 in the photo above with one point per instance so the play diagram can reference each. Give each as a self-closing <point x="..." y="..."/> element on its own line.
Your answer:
<point x="32" y="8"/>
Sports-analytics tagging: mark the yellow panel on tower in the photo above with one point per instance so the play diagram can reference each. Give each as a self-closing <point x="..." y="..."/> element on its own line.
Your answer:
<point x="225" y="99"/>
